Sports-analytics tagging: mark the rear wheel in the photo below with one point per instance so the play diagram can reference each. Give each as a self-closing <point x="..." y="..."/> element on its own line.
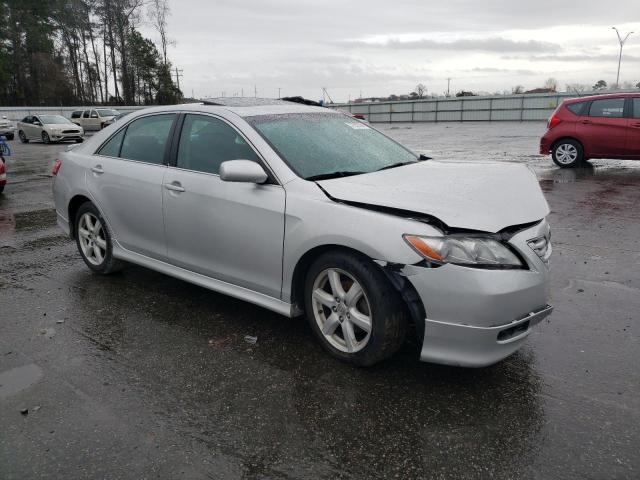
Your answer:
<point x="23" y="137"/>
<point x="567" y="153"/>
<point x="353" y="309"/>
<point x="94" y="240"/>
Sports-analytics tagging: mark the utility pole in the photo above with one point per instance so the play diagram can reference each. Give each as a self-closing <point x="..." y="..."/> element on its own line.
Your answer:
<point x="178" y="75"/>
<point x="622" y="42"/>
<point x="448" y="85"/>
<point x="279" y="96"/>
<point x="255" y="91"/>
<point x="242" y="92"/>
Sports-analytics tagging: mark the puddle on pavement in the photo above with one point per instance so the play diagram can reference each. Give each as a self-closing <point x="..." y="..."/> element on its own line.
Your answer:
<point x="37" y="219"/>
<point x="17" y="379"/>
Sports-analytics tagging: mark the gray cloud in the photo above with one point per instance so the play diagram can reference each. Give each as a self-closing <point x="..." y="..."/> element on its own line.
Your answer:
<point x="503" y="71"/>
<point x="491" y="44"/>
<point x="571" y="58"/>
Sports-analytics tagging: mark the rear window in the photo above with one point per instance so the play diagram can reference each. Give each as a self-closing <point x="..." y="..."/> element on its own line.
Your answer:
<point x="76" y="114"/>
<point x="608" y="108"/>
<point x="577" y="108"/>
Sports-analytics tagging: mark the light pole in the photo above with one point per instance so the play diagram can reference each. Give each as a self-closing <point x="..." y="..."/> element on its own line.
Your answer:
<point x="622" y="42"/>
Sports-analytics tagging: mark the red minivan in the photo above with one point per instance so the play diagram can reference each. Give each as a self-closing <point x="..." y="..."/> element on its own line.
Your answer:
<point x="599" y="126"/>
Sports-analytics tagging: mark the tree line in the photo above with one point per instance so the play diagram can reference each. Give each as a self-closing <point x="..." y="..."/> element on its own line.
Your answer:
<point x="67" y="52"/>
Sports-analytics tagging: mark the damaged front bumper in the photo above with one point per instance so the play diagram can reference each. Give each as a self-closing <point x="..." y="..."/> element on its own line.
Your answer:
<point x="477" y="317"/>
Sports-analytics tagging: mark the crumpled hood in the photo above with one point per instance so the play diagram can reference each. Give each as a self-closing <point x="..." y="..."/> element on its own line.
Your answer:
<point x="478" y="196"/>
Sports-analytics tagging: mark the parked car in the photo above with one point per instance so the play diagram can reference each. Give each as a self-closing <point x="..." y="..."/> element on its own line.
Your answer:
<point x="48" y="128"/>
<point x="599" y="126"/>
<point x="94" y="118"/>
<point x="304" y="210"/>
<point x="6" y="128"/>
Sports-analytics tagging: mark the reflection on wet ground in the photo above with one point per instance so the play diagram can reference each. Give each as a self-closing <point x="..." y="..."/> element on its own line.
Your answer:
<point x="143" y="376"/>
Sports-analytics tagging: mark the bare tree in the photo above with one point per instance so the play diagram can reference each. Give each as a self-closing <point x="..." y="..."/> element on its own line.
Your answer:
<point x="551" y="84"/>
<point x="518" y="89"/>
<point x="158" y="12"/>
<point x="577" y="87"/>
<point x="420" y="90"/>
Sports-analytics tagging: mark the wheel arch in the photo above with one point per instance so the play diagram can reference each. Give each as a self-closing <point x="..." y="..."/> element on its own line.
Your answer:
<point x="74" y="205"/>
<point x="392" y="272"/>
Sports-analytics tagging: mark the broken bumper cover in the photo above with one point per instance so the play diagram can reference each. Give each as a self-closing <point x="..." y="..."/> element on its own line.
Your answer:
<point x="469" y="346"/>
<point x="476" y="317"/>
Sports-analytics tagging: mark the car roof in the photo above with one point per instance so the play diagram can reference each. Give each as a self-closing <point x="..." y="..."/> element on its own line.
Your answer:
<point x="604" y="96"/>
<point x="243" y="107"/>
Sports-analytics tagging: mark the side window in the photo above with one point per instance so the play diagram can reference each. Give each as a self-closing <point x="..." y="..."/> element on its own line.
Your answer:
<point x="85" y="114"/>
<point x="608" y="108"/>
<point x="26" y="120"/>
<point x="76" y="114"/>
<point x="577" y="108"/>
<point x="636" y="108"/>
<point x="112" y="147"/>
<point x="146" y="138"/>
<point x="206" y="142"/>
<point x="94" y="114"/>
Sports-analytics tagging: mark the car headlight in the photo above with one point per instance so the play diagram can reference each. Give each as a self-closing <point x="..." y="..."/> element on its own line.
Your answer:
<point x="469" y="251"/>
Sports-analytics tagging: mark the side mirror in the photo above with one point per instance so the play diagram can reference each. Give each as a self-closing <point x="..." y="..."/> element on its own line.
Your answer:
<point x="244" y="171"/>
<point x="36" y="122"/>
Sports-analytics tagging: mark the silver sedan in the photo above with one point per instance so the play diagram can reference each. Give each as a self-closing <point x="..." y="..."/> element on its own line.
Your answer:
<point x="306" y="211"/>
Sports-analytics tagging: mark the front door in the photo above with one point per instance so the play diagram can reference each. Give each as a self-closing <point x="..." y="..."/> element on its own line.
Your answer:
<point x="125" y="179"/>
<point x="604" y="130"/>
<point x="229" y="231"/>
<point x="633" y="132"/>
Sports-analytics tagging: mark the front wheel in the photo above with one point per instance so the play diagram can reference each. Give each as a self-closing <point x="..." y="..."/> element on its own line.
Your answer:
<point x="9" y="136"/>
<point x="23" y="137"/>
<point x="353" y="309"/>
<point x="45" y="138"/>
<point x="94" y="240"/>
<point x="567" y="153"/>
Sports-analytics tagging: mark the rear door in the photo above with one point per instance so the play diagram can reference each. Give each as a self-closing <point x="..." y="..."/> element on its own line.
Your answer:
<point x="633" y="132"/>
<point x="603" y="132"/>
<point x="229" y="231"/>
<point x="85" y="121"/>
<point x="125" y="179"/>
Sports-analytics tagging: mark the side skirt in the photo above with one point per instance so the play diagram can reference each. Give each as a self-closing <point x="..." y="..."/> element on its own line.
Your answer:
<point x="241" y="293"/>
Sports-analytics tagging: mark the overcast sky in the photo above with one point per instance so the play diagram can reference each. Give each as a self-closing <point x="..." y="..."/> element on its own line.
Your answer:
<point x="379" y="47"/>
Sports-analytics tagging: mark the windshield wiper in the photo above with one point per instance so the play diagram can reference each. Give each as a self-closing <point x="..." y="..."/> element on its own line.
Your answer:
<point x="327" y="176"/>
<point x="394" y="165"/>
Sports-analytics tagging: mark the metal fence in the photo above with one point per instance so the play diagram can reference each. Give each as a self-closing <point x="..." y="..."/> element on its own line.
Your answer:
<point x="17" y="113"/>
<point x="462" y="109"/>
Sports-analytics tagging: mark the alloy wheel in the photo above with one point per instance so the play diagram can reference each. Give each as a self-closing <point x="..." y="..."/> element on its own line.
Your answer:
<point x="92" y="239"/>
<point x="566" y="154"/>
<point x="341" y="310"/>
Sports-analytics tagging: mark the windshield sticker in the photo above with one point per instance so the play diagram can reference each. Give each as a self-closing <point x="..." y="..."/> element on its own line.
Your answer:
<point x="357" y="125"/>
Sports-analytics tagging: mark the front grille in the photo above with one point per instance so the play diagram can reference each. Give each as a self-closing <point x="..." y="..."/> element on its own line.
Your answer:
<point x="71" y="131"/>
<point x="542" y="247"/>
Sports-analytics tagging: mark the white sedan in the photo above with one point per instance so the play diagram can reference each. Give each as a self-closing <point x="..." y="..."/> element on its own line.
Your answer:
<point x="48" y="128"/>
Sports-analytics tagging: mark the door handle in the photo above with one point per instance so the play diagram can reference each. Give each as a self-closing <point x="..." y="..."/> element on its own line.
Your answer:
<point x="174" y="187"/>
<point x="636" y="124"/>
<point x="97" y="169"/>
<point x="586" y="122"/>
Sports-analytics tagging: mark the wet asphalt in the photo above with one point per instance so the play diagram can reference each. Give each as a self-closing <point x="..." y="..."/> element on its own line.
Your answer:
<point x="138" y="375"/>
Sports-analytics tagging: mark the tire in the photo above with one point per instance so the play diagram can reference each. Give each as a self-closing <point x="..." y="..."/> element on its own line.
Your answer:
<point x="23" y="137"/>
<point x="1" y="189"/>
<point x="104" y="263"/>
<point x="45" y="138"/>
<point x="79" y="140"/>
<point x="387" y="313"/>
<point x="567" y="153"/>
<point x="10" y="136"/>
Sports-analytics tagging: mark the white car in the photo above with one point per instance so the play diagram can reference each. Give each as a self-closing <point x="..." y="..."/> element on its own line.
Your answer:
<point x="94" y="118"/>
<point x="48" y="128"/>
<point x="6" y="128"/>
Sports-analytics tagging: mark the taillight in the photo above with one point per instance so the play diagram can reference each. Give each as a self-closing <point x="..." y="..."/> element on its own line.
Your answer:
<point x="553" y="121"/>
<point x="56" y="167"/>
